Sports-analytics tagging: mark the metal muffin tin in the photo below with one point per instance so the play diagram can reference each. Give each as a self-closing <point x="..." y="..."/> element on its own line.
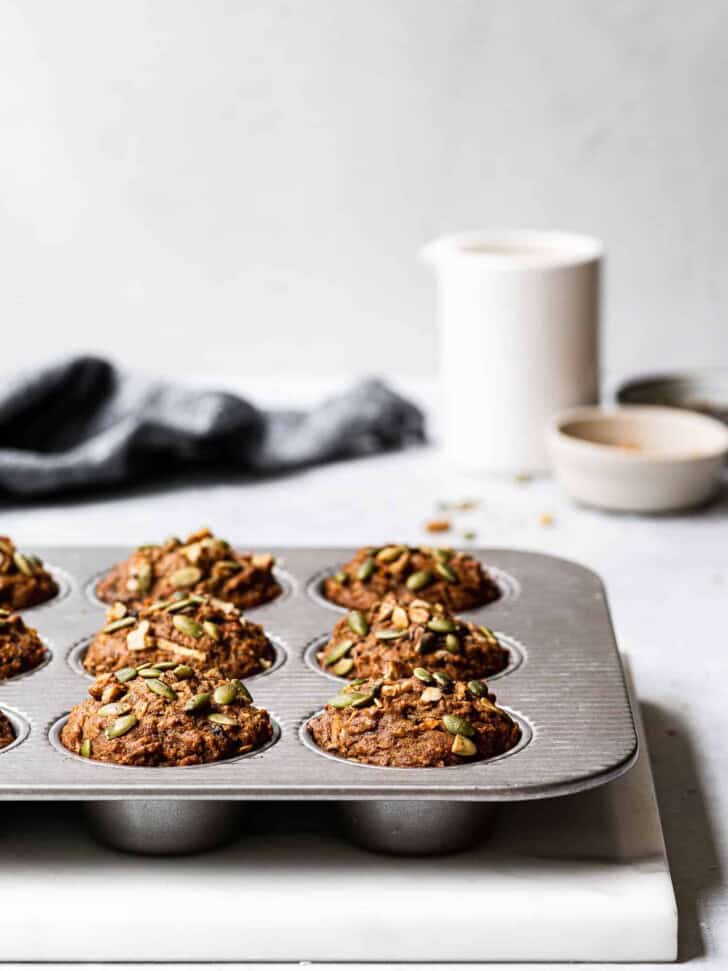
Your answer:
<point x="567" y="690"/>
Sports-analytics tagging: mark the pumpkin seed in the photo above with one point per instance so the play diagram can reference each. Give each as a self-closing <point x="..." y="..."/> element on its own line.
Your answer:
<point x="242" y="690"/>
<point x="229" y="566"/>
<point x="225" y="694"/>
<point x="347" y="698"/>
<point x="162" y="689"/>
<point x="423" y="675"/>
<point x="212" y="630"/>
<point x="358" y="623"/>
<point x="366" y="569"/>
<point x="185" y="625"/>
<point x="116" y="708"/>
<point x="443" y="553"/>
<point x="390" y="553"/>
<point x="119" y="625"/>
<point x="342" y="667"/>
<point x="163" y="665"/>
<point x="489" y="635"/>
<point x="172" y="606"/>
<point x="197" y="702"/>
<point x="126" y="674"/>
<point x="121" y="726"/>
<point x="389" y="635"/>
<point x="219" y="719"/>
<point x="182" y="672"/>
<point x="144" y="577"/>
<point x="442" y="625"/>
<point x="443" y="679"/>
<point x="337" y="652"/>
<point x="444" y="570"/>
<point x="341" y="577"/>
<point x="22" y="564"/>
<point x="188" y="576"/>
<point x="463" y="746"/>
<point x="419" y="580"/>
<point x="85" y="749"/>
<point x="149" y="672"/>
<point x="452" y="644"/>
<point x="478" y="688"/>
<point x="457" y="725"/>
<point x="369" y="697"/>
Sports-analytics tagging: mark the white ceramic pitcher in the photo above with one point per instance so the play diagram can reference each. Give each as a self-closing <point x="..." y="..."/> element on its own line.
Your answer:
<point x="518" y="336"/>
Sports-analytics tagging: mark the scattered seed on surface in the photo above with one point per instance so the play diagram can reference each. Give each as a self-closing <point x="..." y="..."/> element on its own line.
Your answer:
<point x="438" y="526"/>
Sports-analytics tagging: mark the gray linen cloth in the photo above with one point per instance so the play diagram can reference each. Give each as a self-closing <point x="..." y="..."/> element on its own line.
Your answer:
<point x="83" y="423"/>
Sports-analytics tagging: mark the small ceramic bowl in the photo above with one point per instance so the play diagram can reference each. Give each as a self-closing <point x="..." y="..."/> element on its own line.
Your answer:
<point x="638" y="458"/>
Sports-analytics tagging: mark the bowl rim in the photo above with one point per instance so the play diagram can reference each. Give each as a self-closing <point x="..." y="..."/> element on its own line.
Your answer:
<point x="607" y="414"/>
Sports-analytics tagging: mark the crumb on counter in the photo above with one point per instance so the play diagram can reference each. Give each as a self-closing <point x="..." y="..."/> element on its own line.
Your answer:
<point x="545" y="519"/>
<point x="438" y="526"/>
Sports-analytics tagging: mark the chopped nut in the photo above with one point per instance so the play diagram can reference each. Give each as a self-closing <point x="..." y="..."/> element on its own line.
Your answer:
<point x="438" y="526"/>
<point x="139" y="639"/>
<point x="116" y="611"/>
<point x="400" y="619"/>
<point x="431" y="694"/>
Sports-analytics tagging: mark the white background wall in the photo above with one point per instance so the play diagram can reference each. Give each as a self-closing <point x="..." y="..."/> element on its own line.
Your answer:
<point x="241" y="187"/>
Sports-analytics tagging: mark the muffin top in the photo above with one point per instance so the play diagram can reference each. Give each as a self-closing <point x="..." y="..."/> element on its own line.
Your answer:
<point x="192" y="628"/>
<point x="166" y="714"/>
<point x="391" y="639"/>
<point x="21" y="649"/>
<point x="426" y="721"/>
<point x="202" y="564"/>
<point x="438" y="575"/>
<point x="24" y="581"/>
<point x="7" y="735"/>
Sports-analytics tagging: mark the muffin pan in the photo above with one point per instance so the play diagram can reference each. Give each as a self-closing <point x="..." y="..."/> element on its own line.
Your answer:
<point x="567" y="691"/>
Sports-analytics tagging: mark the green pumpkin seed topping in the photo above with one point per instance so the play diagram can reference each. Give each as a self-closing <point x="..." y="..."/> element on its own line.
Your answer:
<point x="115" y="709"/>
<point x="220" y="719"/>
<point x="366" y="569"/>
<point x="162" y="689"/>
<point x="478" y="688"/>
<point x="337" y="652"/>
<point x="422" y="674"/>
<point x="444" y="570"/>
<point x="182" y="672"/>
<point x="187" y="626"/>
<point x="164" y="665"/>
<point x="144" y="577"/>
<point x="85" y="749"/>
<point x="463" y="746"/>
<point x="242" y="690"/>
<point x="125" y="674"/>
<point x="225" y="694"/>
<point x="419" y="580"/>
<point x="488" y="634"/>
<point x="198" y="702"/>
<point x="390" y="553"/>
<point x="456" y="725"/>
<point x="187" y="576"/>
<point x="340" y="577"/>
<point x="119" y="625"/>
<point x="442" y="625"/>
<point x="389" y="635"/>
<point x="121" y="726"/>
<point x="212" y="630"/>
<point x="358" y="623"/>
<point x="342" y="667"/>
<point x="347" y="698"/>
<point x="452" y="644"/>
<point x="443" y="679"/>
<point x="148" y="671"/>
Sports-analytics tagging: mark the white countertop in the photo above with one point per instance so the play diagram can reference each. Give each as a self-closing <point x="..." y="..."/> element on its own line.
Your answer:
<point x="666" y="577"/>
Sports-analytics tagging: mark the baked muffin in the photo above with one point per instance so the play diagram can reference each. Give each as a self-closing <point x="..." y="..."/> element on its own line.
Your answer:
<point x="456" y="580"/>
<point x="194" y="629"/>
<point x="391" y="639"/>
<point x="7" y="735"/>
<point x="202" y="564"/>
<point x="21" y="649"/>
<point x="24" y="582"/>
<point x="426" y="721"/>
<point x="172" y="716"/>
